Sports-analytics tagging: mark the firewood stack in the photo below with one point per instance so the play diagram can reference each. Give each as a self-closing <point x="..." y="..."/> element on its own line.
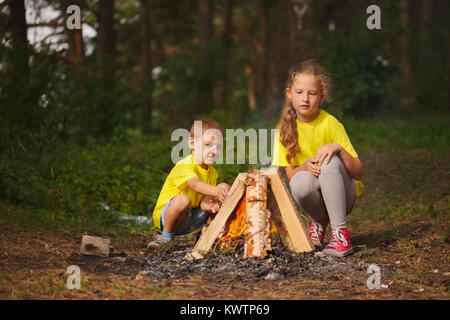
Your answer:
<point x="262" y="189"/>
<point x="257" y="217"/>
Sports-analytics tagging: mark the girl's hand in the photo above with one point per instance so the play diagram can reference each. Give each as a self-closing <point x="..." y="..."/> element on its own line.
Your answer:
<point x="326" y="151"/>
<point x="311" y="166"/>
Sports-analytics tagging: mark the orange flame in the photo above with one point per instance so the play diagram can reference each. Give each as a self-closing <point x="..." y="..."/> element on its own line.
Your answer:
<point x="236" y="228"/>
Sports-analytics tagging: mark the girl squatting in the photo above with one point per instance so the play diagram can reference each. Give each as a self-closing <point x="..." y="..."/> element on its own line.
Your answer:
<point x="322" y="166"/>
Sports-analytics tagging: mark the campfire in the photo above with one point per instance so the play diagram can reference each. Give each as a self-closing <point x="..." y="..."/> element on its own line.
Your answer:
<point x="250" y="220"/>
<point x="234" y="230"/>
<point x="258" y="204"/>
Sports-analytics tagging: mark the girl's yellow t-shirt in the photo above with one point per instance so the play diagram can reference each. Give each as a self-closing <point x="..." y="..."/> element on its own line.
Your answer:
<point x="313" y="135"/>
<point x="176" y="183"/>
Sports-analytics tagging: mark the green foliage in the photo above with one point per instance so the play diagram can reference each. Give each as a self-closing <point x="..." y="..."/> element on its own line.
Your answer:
<point x="126" y="173"/>
<point x="390" y="134"/>
<point x="69" y="137"/>
<point x="53" y="101"/>
<point x="184" y="87"/>
<point x="366" y="65"/>
<point x="60" y="183"/>
<point x="31" y="99"/>
<point x="365" y="73"/>
<point x="362" y="77"/>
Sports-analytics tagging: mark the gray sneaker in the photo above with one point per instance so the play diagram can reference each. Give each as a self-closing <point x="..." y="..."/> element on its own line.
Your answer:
<point x="158" y="240"/>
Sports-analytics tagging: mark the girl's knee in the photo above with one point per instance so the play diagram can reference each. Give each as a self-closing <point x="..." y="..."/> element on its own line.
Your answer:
<point x="334" y="165"/>
<point x="302" y="184"/>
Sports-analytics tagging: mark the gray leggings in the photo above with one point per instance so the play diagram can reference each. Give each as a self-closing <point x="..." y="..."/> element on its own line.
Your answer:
<point x="332" y="193"/>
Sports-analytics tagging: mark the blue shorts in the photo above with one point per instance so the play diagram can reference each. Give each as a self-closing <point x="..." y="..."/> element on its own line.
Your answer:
<point x="195" y="218"/>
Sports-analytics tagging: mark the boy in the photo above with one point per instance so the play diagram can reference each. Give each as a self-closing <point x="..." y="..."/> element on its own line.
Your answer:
<point x="190" y="193"/>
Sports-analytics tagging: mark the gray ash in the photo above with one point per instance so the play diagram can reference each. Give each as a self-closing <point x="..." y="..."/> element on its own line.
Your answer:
<point x="218" y="266"/>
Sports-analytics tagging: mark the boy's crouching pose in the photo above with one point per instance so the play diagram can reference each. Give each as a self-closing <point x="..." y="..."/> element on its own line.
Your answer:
<point x="189" y="193"/>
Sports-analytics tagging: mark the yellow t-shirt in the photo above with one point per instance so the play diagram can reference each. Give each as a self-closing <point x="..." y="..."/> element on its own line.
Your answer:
<point x="175" y="184"/>
<point x="313" y="135"/>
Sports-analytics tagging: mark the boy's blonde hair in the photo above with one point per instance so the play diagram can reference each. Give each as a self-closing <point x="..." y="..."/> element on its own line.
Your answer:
<point x="288" y="124"/>
<point x="207" y="123"/>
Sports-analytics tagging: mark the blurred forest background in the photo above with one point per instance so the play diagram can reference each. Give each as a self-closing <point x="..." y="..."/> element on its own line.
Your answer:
<point x="86" y="114"/>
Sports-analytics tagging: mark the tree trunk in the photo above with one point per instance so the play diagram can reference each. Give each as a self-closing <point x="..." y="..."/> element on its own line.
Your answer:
<point x="146" y="65"/>
<point x="405" y="64"/>
<point x="227" y="20"/>
<point x="106" y="42"/>
<point x="221" y="83"/>
<point x="21" y="108"/>
<point x="264" y="17"/>
<point x="205" y="13"/>
<point x="250" y="88"/>
<point x="294" y="42"/>
<point x="304" y="39"/>
<point x="426" y="21"/>
<point x="205" y="10"/>
<point x="19" y="41"/>
<point x="75" y="56"/>
<point x="107" y="114"/>
<point x="75" y="52"/>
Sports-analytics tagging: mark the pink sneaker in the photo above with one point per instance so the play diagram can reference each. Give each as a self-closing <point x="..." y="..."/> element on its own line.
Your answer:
<point x="317" y="231"/>
<point x="339" y="245"/>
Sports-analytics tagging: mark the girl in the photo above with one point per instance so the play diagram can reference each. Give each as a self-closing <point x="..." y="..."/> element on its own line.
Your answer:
<point x="321" y="164"/>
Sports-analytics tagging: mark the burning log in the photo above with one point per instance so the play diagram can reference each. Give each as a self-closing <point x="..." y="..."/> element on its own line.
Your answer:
<point x="257" y="217"/>
<point x="250" y="223"/>
<point x="248" y="214"/>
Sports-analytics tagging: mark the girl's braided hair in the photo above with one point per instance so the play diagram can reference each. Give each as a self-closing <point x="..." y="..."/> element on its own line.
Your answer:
<point x="288" y="124"/>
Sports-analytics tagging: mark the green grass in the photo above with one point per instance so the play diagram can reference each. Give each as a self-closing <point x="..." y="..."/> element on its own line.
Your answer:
<point x="430" y="132"/>
<point x="59" y="186"/>
<point x="156" y="292"/>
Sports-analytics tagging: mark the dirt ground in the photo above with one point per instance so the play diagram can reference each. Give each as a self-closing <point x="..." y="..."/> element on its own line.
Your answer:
<point x="411" y="249"/>
<point x="34" y="265"/>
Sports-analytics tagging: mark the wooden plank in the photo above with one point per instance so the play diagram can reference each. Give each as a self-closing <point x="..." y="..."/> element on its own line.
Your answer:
<point x="290" y="217"/>
<point x="284" y="178"/>
<point x="210" y="235"/>
<point x="278" y="220"/>
<point x="240" y="177"/>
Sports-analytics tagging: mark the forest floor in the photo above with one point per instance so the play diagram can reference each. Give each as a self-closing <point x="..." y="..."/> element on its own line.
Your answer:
<point x="400" y="224"/>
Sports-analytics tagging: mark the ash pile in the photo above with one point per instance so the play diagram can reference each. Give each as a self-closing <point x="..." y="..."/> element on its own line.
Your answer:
<point x="230" y="266"/>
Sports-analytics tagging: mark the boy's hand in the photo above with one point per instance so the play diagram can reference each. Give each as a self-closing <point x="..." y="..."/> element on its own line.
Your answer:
<point x="214" y="206"/>
<point x="222" y="191"/>
<point x="210" y="204"/>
